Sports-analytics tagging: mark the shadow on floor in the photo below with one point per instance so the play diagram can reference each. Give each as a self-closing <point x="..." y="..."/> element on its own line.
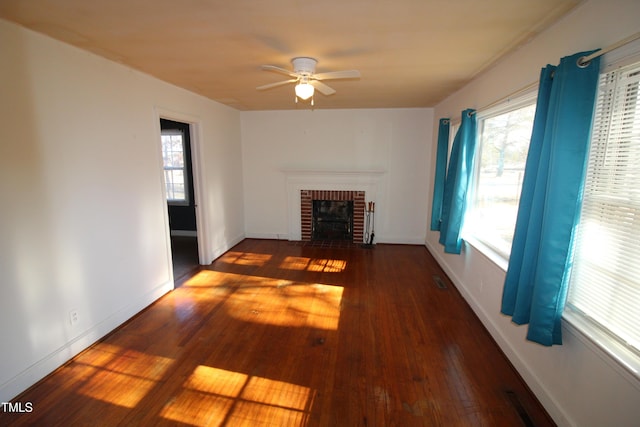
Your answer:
<point x="184" y="251"/>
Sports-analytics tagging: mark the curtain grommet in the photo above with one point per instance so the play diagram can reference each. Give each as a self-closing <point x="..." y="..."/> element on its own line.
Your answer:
<point x="581" y="63"/>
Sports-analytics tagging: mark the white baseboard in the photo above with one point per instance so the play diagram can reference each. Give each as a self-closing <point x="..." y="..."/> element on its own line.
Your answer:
<point x="523" y="368"/>
<point x="221" y="249"/>
<point x="59" y="357"/>
<point x="268" y="236"/>
<point x="400" y="240"/>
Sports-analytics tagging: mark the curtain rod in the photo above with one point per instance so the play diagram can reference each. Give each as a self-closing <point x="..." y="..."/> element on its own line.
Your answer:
<point x="581" y="62"/>
<point x="585" y="59"/>
<point x="507" y="98"/>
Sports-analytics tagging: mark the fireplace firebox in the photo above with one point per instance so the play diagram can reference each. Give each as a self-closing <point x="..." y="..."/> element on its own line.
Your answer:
<point x="332" y="220"/>
<point x="307" y="198"/>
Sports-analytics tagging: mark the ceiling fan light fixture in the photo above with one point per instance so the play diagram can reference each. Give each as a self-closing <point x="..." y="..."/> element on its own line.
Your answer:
<point x="305" y="78"/>
<point x="304" y="91"/>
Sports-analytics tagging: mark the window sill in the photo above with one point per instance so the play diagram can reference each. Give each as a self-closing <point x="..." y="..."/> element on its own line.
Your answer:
<point x="620" y="358"/>
<point x="490" y="253"/>
<point x="616" y="355"/>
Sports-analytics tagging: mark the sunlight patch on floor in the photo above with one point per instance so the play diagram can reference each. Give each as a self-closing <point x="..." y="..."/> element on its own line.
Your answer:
<point x="245" y="258"/>
<point x="121" y="376"/>
<point x="208" y="279"/>
<point x="287" y="304"/>
<point x="314" y="264"/>
<point x="219" y="397"/>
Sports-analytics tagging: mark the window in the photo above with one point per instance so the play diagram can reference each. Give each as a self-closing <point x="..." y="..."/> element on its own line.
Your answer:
<point x="173" y="156"/>
<point x="504" y="133"/>
<point x="604" y="287"/>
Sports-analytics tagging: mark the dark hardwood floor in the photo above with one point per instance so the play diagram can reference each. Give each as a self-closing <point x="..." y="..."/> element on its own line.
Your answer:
<point x="277" y="333"/>
<point x="184" y="251"/>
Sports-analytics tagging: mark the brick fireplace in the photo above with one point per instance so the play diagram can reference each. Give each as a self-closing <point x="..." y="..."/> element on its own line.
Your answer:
<point x="302" y="186"/>
<point x="306" y="203"/>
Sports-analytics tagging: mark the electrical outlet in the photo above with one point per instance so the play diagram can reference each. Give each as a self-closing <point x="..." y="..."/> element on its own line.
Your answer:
<point x="73" y="317"/>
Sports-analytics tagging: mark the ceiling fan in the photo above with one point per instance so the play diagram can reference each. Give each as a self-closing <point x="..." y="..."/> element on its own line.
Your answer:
<point x="306" y="79"/>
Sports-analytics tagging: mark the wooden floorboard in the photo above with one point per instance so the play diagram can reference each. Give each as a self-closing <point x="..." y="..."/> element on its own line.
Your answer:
<point x="276" y="333"/>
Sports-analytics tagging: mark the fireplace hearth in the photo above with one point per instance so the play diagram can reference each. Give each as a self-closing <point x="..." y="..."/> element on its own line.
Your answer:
<point x="332" y="220"/>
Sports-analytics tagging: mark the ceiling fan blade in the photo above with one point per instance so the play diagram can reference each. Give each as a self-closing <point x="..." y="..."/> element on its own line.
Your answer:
<point x="322" y="88"/>
<point x="346" y="74"/>
<point x="270" y="85"/>
<point x="279" y="70"/>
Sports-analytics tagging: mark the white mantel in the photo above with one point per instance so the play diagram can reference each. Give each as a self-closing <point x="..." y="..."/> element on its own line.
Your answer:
<point x="339" y="180"/>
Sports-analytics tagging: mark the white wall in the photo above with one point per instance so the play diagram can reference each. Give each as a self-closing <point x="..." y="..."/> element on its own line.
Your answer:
<point x="577" y="383"/>
<point x="394" y="141"/>
<point x="83" y="223"/>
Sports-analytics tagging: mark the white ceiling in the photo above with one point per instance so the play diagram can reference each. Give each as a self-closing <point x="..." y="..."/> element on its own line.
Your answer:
<point x="411" y="53"/>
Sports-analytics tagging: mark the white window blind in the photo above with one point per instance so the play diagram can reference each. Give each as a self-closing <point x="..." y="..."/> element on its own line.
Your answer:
<point x="604" y="285"/>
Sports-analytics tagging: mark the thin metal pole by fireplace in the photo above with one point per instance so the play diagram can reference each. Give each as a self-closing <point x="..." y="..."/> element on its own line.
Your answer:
<point x="369" y="233"/>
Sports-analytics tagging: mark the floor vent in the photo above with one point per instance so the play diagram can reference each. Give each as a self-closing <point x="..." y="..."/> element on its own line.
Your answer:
<point x="517" y="405"/>
<point x="439" y="282"/>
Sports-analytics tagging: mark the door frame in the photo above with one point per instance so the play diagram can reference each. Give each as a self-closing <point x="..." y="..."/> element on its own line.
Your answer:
<point x="195" y="136"/>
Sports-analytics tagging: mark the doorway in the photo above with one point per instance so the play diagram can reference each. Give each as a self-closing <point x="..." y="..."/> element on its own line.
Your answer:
<point x="181" y="203"/>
